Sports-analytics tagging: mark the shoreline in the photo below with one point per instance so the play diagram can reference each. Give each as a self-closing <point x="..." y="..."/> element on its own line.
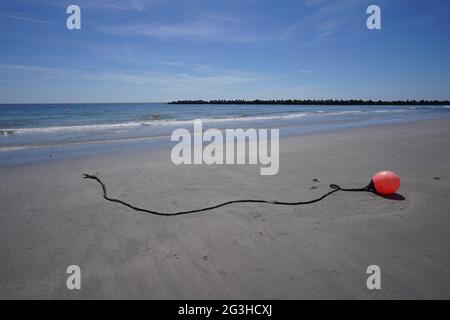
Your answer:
<point x="28" y="155"/>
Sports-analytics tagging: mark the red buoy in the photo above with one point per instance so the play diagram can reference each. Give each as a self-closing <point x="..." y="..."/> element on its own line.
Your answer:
<point x="386" y="182"/>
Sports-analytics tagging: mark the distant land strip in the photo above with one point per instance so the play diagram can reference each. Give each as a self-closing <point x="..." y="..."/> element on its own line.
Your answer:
<point x="320" y="102"/>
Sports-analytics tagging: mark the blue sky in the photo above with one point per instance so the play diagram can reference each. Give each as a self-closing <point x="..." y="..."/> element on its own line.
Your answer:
<point x="162" y="50"/>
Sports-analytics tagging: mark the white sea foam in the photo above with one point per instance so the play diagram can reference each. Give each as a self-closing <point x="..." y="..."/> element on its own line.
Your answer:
<point x="175" y="122"/>
<point x="344" y="112"/>
<point x="131" y="125"/>
<point x="231" y="119"/>
<point x="6" y="149"/>
<point x="391" y="111"/>
<point x="93" y="127"/>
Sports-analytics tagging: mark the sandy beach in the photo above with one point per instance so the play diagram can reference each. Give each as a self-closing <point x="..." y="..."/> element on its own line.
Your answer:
<point x="52" y="218"/>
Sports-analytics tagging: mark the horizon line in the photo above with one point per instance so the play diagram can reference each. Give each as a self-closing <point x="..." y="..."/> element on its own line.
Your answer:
<point x="252" y="101"/>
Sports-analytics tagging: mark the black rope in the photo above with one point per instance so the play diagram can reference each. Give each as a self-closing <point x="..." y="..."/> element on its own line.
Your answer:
<point x="335" y="187"/>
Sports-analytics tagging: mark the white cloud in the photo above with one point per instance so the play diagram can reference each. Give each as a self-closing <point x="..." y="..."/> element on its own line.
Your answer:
<point x="177" y="80"/>
<point x="205" y="27"/>
<point x="28" y="68"/>
<point x="201" y="77"/>
<point x="333" y="18"/>
<point x="22" y="18"/>
<point x="132" y="5"/>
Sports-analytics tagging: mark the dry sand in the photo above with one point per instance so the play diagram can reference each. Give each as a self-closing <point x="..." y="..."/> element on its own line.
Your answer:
<point x="51" y="218"/>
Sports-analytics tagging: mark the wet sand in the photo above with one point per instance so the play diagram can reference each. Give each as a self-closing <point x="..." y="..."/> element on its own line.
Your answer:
<point x="51" y="218"/>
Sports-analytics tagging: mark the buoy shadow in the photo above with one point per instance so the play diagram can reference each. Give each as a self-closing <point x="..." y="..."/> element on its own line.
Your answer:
<point x="395" y="196"/>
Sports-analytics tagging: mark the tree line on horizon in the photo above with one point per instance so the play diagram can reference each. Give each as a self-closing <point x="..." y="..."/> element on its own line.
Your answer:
<point x="317" y="102"/>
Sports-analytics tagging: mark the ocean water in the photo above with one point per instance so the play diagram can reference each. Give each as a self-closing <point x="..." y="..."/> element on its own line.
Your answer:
<point x="24" y="127"/>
